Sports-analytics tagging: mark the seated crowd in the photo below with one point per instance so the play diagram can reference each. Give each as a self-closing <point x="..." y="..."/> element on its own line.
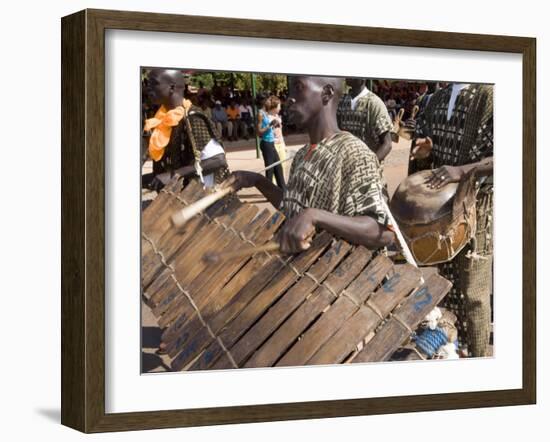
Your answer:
<point x="232" y="111"/>
<point x="403" y="95"/>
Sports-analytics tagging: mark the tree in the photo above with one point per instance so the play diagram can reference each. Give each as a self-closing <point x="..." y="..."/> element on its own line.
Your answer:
<point x="240" y="81"/>
<point x="274" y="83"/>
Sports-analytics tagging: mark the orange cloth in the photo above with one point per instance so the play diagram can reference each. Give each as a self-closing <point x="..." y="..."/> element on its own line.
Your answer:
<point x="234" y="113"/>
<point x="162" y="124"/>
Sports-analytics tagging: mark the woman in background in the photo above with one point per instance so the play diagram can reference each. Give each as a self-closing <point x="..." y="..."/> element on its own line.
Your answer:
<point x="266" y="131"/>
<point x="280" y="146"/>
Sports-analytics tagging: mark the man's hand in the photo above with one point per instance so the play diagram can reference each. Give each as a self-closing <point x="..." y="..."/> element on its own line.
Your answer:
<point x="156" y="184"/>
<point x="241" y="179"/>
<point x="160" y="180"/>
<point x="296" y="234"/>
<point x="409" y="124"/>
<point x="445" y="175"/>
<point x="422" y="148"/>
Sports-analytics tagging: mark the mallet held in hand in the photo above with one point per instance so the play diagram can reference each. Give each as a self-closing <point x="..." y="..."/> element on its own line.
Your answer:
<point x="181" y="217"/>
<point x="271" y="246"/>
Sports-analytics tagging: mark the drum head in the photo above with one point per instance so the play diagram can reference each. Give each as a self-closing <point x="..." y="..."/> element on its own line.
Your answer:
<point x="415" y="203"/>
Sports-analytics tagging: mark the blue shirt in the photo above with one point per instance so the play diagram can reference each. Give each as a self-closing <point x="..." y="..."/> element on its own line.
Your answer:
<point x="219" y="115"/>
<point x="268" y="135"/>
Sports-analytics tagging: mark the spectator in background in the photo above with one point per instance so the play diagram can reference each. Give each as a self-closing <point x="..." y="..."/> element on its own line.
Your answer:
<point x="234" y="116"/>
<point x="202" y="91"/>
<point x="267" y="145"/>
<point x="274" y="115"/>
<point x="216" y="91"/>
<point x="225" y="94"/>
<point x="219" y="116"/>
<point x="204" y="104"/>
<point x="246" y="117"/>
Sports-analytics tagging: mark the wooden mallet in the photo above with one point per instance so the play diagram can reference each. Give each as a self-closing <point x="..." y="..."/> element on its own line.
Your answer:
<point x="180" y="218"/>
<point x="271" y="246"/>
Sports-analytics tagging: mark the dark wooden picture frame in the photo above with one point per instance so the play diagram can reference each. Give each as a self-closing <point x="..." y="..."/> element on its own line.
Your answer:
<point x="83" y="220"/>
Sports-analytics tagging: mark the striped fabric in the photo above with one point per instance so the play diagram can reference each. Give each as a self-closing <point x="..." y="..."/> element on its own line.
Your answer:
<point x="341" y="175"/>
<point x="368" y="121"/>
<point x="468" y="136"/>
<point x="464" y="139"/>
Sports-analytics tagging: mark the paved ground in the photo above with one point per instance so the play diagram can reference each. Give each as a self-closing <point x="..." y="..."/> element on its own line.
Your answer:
<point x="241" y="155"/>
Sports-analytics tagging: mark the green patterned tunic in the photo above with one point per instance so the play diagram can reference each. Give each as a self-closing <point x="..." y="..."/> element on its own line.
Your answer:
<point x="368" y="121"/>
<point x="340" y="175"/>
<point x="465" y="138"/>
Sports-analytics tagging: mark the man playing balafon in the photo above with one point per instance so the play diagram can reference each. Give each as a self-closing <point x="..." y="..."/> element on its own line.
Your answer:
<point x="335" y="182"/>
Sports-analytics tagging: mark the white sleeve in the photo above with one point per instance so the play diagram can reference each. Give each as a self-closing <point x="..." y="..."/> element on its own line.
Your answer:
<point x="212" y="149"/>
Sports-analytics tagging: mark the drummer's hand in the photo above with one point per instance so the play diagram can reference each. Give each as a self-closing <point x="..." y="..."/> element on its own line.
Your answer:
<point x="241" y="179"/>
<point x="296" y="234"/>
<point x="444" y="175"/>
<point x="422" y="148"/>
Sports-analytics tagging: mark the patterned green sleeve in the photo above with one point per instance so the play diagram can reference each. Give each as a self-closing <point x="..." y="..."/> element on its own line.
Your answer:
<point x="362" y="187"/>
<point x="380" y="117"/>
<point x="483" y="146"/>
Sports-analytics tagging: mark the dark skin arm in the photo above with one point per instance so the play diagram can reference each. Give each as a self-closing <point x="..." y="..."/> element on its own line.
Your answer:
<point x="242" y="178"/>
<point x="295" y="234"/>
<point x="208" y="166"/>
<point x="453" y="174"/>
<point x="360" y="230"/>
<point x="422" y="149"/>
<point x="384" y="148"/>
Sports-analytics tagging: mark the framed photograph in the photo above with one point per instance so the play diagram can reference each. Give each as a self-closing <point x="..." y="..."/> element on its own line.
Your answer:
<point x="269" y="221"/>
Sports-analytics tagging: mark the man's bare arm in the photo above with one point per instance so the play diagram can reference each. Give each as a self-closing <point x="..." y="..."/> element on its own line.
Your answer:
<point x="359" y="230"/>
<point x="273" y="193"/>
<point x="208" y="166"/>
<point x="385" y="146"/>
<point x="483" y="167"/>
<point x="453" y="174"/>
<point x="243" y="178"/>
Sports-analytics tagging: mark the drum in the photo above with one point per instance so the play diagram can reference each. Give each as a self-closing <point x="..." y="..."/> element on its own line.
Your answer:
<point x="436" y="223"/>
<point x="322" y="306"/>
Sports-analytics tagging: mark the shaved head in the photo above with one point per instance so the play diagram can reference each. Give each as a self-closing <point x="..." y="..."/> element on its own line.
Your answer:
<point x="336" y="83"/>
<point x="356" y="85"/>
<point x="312" y="96"/>
<point x="170" y="76"/>
<point x="165" y="86"/>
